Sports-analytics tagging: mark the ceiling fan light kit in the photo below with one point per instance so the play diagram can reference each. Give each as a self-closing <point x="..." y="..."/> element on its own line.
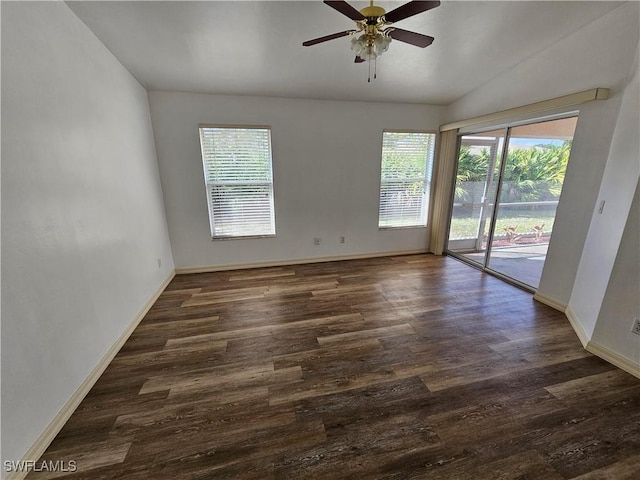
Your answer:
<point x="373" y="25"/>
<point x="366" y="49"/>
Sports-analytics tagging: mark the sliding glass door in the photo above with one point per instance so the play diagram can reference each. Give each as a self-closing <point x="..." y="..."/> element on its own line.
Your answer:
<point x="508" y="183"/>
<point x="475" y="192"/>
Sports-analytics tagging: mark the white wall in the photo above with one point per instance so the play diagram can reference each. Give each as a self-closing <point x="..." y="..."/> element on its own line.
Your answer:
<point x="603" y="241"/>
<point x="326" y="162"/>
<point x="622" y="298"/>
<point x="82" y="213"/>
<point x="598" y="55"/>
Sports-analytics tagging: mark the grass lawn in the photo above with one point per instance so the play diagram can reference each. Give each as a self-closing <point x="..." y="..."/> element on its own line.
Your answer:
<point x="525" y="221"/>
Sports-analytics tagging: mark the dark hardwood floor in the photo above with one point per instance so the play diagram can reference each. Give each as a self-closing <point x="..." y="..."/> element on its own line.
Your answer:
<point x="416" y="367"/>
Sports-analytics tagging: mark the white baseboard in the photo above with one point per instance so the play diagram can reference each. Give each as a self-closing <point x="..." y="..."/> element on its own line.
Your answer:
<point x="298" y="261"/>
<point x="577" y="326"/>
<point x="551" y="302"/>
<point x="610" y="356"/>
<point x="601" y="351"/>
<point x="45" y="439"/>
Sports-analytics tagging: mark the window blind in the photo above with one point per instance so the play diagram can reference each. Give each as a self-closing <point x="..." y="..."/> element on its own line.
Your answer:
<point x="407" y="161"/>
<point x="239" y="179"/>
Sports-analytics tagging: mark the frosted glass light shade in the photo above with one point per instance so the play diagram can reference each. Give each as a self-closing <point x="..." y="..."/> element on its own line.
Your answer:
<point x="360" y="46"/>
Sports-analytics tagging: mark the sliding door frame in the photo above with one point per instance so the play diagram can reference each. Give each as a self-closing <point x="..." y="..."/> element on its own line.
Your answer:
<point x="496" y="200"/>
<point x="469" y="130"/>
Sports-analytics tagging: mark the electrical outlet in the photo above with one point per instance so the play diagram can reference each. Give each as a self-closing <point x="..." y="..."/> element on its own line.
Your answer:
<point x="636" y="326"/>
<point x="316" y="241"/>
<point x="341" y="239"/>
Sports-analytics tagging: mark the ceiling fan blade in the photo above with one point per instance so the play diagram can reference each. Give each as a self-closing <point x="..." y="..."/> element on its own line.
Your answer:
<point x="412" y="38"/>
<point x="326" y="38"/>
<point x="346" y="9"/>
<point x="409" y="10"/>
<point x="359" y="60"/>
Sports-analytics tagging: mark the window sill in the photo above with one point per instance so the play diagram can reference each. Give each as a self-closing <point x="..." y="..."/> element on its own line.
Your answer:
<point x="243" y="237"/>
<point x="407" y="227"/>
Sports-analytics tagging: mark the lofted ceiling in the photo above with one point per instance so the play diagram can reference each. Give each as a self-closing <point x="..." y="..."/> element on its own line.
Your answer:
<point x="255" y="47"/>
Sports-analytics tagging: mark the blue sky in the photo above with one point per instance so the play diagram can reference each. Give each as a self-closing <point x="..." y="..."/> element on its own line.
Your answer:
<point x="530" y="142"/>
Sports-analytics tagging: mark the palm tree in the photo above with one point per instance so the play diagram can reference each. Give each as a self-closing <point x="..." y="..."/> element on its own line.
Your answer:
<point x="536" y="173"/>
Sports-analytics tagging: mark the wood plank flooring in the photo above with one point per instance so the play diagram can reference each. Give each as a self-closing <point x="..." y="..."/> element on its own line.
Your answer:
<point x="414" y="367"/>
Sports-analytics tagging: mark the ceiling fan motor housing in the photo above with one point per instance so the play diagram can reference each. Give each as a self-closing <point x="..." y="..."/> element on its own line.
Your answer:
<point x="372" y="23"/>
<point x="372" y="13"/>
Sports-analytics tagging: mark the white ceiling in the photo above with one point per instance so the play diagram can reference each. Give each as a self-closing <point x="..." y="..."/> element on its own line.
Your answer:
<point x="255" y="47"/>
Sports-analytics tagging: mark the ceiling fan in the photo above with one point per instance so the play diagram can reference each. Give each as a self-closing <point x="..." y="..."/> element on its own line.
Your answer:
<point x="375" y="24"/>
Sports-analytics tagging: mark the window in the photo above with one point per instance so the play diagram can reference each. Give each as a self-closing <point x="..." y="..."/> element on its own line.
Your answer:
<point x="407" y="161"/>
<point x="239" y="179"/>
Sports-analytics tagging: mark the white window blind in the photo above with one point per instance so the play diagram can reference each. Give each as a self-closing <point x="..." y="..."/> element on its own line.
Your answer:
<point x="239" y="179"/>
<point x="407" y="161"/>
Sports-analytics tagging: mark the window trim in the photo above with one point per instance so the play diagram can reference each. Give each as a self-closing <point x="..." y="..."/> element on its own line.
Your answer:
<point x="207" y="185"/>
<point x="428" y="179"/>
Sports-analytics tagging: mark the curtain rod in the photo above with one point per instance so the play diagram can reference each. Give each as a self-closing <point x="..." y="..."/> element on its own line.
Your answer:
<point x="558" y="102"/>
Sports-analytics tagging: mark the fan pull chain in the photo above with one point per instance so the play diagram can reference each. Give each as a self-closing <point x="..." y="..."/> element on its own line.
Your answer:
<point x="375" y="68"/>
<point x="369" y="78"/>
